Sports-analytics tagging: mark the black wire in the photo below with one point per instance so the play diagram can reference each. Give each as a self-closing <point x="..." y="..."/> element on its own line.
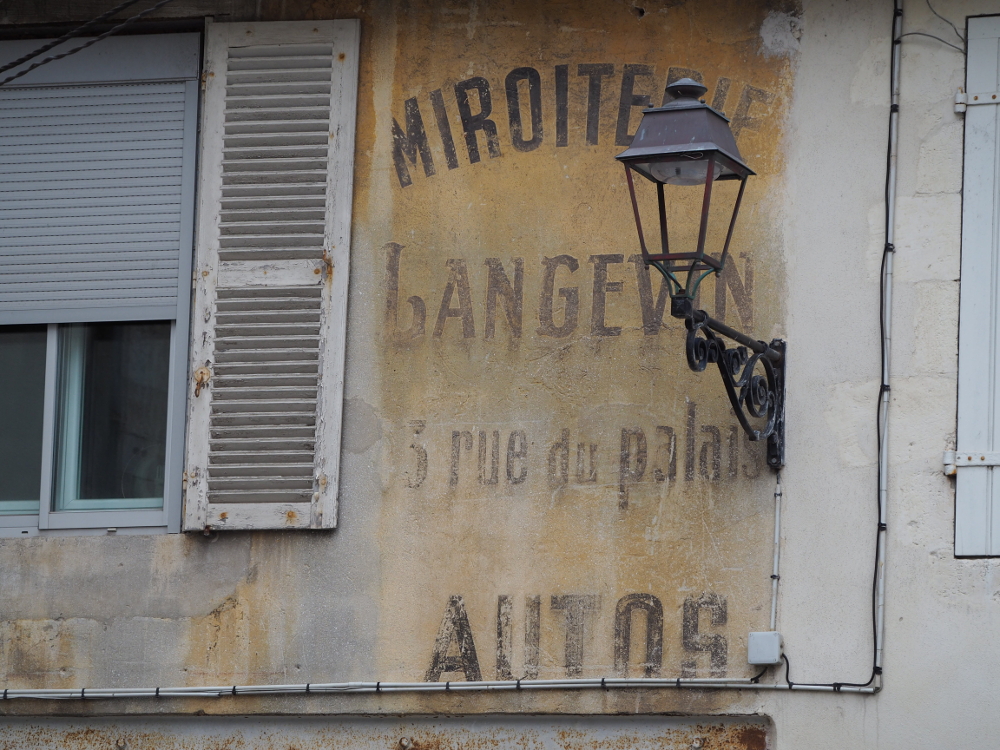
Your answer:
<point x="788" y="667"/>
<point x="953" y="26"/>
<point x="931" y="36"/>
<point x="756" y="678"/>
<point x="78" y="31"/>
<point x="95" y="40"/>
<point x="883" y="388"/>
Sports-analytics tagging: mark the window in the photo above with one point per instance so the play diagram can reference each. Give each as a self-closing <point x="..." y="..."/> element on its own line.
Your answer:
<point x="977" y="492"/>
<point x="96" y="233"/>
<point x="98" y="222"/>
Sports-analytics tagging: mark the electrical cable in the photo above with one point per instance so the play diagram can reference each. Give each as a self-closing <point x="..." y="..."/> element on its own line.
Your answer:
<point x="788" y="668"/>
<point x="78" y="31"/>
<point x="953" y="26"/>
<point x="931" y="36"/>
<point x="93" y="41"/>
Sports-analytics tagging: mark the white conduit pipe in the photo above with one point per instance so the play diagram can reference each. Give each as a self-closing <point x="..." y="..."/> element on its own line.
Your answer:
<point x="777" y="553"/>
<point x="417" y="687"/>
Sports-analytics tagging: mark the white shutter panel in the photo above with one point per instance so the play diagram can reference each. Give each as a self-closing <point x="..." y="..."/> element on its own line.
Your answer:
<point x="97" y="187"/>
<point x="977" y="507"/>
<point x="271" y="271"/>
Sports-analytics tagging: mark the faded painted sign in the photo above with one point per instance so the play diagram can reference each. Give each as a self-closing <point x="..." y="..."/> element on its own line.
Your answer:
<point x="561" y="495"/>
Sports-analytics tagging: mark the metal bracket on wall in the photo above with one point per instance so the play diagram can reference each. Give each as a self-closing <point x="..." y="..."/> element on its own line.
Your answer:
<point x="755" y="383"/>
<point x="955" y="460"/>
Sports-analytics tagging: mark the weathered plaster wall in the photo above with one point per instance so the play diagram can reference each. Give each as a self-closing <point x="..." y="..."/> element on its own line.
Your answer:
<point x="367" y="601"/>
<point x="499" y="467"/>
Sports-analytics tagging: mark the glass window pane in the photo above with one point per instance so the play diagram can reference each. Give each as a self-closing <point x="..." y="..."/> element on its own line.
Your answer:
<point x="22" y="397"/>
<point x="112" y="415"/>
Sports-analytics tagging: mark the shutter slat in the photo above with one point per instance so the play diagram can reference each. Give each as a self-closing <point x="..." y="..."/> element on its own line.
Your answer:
<point x="257" y="435"/>
<point x="55" y="189"/>
<point x="94" y="261"/>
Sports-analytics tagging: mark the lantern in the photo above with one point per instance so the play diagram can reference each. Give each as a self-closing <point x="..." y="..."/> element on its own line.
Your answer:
<point x="682" y="146"/>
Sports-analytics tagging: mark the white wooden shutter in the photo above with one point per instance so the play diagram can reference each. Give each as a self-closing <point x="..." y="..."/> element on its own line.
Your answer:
<point x="977" y="506"/>
<point x="271" y="272"/>
<point x="97" y="185"/>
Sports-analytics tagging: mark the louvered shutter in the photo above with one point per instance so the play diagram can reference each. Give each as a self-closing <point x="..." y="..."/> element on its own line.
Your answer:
<point x="97" y="183"/>
<point x="977" y="506"/>
<point x="271" y="272"/>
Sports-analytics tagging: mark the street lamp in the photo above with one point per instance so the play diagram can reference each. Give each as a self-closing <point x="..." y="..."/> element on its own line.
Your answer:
<point x="679" y="147"/>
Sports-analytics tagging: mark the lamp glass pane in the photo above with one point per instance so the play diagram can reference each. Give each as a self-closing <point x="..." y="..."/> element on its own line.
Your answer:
<point x="683" y="206"/>
<point x="687" y="172"/>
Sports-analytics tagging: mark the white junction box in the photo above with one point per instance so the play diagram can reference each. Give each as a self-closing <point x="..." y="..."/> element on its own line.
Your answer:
<point x="764" y="648"/>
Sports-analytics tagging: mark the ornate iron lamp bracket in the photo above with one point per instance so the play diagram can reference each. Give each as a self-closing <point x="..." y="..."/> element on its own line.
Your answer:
<point x="754" y="383"/>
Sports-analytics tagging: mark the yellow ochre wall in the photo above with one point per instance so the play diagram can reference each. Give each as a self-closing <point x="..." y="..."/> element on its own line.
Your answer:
<point x="527" y="464"/>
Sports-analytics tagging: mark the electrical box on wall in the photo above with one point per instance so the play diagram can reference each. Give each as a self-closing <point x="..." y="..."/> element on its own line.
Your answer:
<point x="764" y="648"/>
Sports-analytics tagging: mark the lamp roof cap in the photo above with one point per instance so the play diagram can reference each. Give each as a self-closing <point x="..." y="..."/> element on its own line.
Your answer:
<point x="686" y="88"/>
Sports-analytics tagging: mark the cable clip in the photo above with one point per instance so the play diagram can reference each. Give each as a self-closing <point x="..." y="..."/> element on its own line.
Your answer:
<point x="234" y="690"/>
<point x="882" y="527"/>
<point x="877" y="670"/>
<point x="889" y="247"/>
<point x="519" y="684"/>
<point x="894" y="108"/>
<point x="157" y="694"/>
<point x="83" y="694"/>
<point x="603" y="686"/>
<point x="447" y="685"/>
<point x="837" y="686"/>
<point x="775" y="577"/>
<point x="307" y="688"/>
<point x="378" y="687"/>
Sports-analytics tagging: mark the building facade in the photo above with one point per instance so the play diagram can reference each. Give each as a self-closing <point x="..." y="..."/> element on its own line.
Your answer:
<point x="339" y="406"/>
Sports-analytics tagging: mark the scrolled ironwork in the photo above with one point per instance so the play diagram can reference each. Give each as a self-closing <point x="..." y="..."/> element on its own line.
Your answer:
<point x="754" y="393"/>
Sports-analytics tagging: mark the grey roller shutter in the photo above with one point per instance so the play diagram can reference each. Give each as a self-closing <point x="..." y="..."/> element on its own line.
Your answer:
<point x="272" y="262"/>
<point x="96" y="189"/>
